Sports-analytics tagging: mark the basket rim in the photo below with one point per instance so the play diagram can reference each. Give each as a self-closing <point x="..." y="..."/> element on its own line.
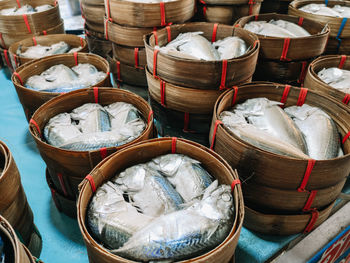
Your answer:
<point x="54" y="4"/>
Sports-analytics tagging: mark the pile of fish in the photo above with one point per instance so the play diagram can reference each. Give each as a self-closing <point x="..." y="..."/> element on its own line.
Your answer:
<point x="301" y="132"/>
<point x="24" y="10"/>
<point x="276" y="28"/>
<point x="91" y="127"/>
<point x="167" y="209"/>
<point x="60" y="78"/>
<point x="40" y="51"/>
<point x="323" y="10"/>
<point x="193" y="45"/>
<point x="336" y="78"/>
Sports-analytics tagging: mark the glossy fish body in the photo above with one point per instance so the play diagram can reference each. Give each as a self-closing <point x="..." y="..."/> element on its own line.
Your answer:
<point x="321" y="9"/>
<point x="336" y="78"/>
<point x="320" y="132"/>
<point x="230" y="47"/>
<point x="175" y="236"/>
<point x="268" y="29"/>
<point x="295" y="29"/>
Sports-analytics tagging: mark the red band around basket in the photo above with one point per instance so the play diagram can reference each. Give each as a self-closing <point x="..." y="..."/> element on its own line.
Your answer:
<point x="214" y="134"/>
<point x="310" y="200"/>
<point x="310" y="166"/>
<point x="346" y="99"/>
<point x="186" y="121"/>
<point x="95" y="94"/>
<point x="76" y="58"/>
<point x="155" y="36"/>
<point x="103" y="152"/>
<point x="301" y="20"/>
<point x="119" y="78"/>
<point x="60" y="179"/>
<point x="92" y="183"/>
<point x="255" y="43"/>
<point x="150" y="114"/>
<point x="55" y="3"/>
<point x="285" y="94"/>
<point x="8" y="62"/>
<point x="302" y="96"/>
<point x="108" y="11"/>
<point x="346" y="137"/>
<point x="173" y="144"/>
<point x="15" y="59"/>
<point x="155" y="56"/>
<point x="81" y="11"/>
<point x="215" y="30"/>
<point x="44" y="32"/>
<point x="162" y="93"/>
<point x="106" y="29"/>
<point x="34" y="41"/>
<point x="18" y="4"/>
<point x="19" y="77"/>
<point x="250" y="3"/>
<point x="136" y="57"/>
<point x="302" y="72"/>
<point x="285" y="49"/>
<point x="342" y="61"/>
<point x="81" y="42"/>
<point x="2" y="41"/>
<point x="162" y="14"/>
<point x="223" y="75"/>
<point x="234" y="183"/>
<point x="168" y="30"/>
<point x="204" y="6"/>
<point x="234" y="95"/>
<point x="256" y="17"/>
<point x="36" y="126"/>
<point x="313" y="220"/>
<point x="53" y="194"/>
<point x="25" y="18"/>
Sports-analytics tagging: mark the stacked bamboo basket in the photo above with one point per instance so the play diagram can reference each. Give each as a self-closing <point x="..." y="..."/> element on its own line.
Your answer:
<point x="66" y="169"/>
<point x="93" y="12"/>
<point x="226" y="11"/>
<point x="183" y="91"/>
<point x="285" y="60"/>
<point x="313" y="82"/>
<point x="14" y="206"/>
<point x="339" y="40"/>
<point x="283" y="195"/>
<point x="14" y="28"/>
<point x="143" y="152"/>
<point x="126" y="24"/>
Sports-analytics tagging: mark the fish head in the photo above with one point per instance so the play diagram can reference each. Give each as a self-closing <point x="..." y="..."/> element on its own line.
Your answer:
<point x="330" y="75"/>
<point x="133" y="178"/>
<point x="168" y="164"/>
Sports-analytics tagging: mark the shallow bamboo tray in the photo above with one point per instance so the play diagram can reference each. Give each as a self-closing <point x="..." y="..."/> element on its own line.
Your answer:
<point x="333" y="22"/>
<point x="13" y="204"/>
<point x="72" y="40"/>
<point x="277" y="171"/>
<point x="136" y="14"/>
<point x="272" y="47"/>
<point x="20" y="254"/>
<point x="70" y="167"/>
<point x="208" y="74"/>
<point x="94" y="14"/>
<point x="313" y="82"/>
<point x="99" y="46"/>
<point x="275" y="224"/>
<point x="31" y="99"/>
<point x="37" y="22"/>
<point x="135" y="57"/>
<point x="333" y="47"/>
<point x="147" y="150"/>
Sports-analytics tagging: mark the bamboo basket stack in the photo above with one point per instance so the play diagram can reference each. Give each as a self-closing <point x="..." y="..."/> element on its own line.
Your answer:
<point x="66" y="169"/>
<point x="126" y="24"/>
<point x="143" y="152"/>
<point x="283" y="195"/>
<point x="14" y="206"/>
<point x="14" y="28"/>
<point x="285" y="60"/>
<point x="227" y="11"/>
<point x="183" y="91"/>
<point x="339" y="38"/>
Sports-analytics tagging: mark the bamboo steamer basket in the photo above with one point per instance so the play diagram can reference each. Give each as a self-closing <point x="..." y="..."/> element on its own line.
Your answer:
<point x="94" y="13"/>
<point x="313" y="82"/>
<point x="16" y="24"/>
<point x="145" y="152"/>
<point x="135" y="57"/>
<point x="72" y="40"/>
<point x="125" y="35"/>
<point x="272" y="47"/>
<point x="277" y="171"/>
<point x="208" y="75"/>
<point x="333" y="22"/>
<point x="96" y="34"/>
<point x="32" y="99"/>
<point x="13" y="205"/>
<point x="333" y="46"/>
<point x="7" y="39"/>
<point x="136" y="14"/>
<point x="99" y="46"/>
<point x="70" y="167"/>
<point x="19" y="252"/>
<point x="275" y="224"/>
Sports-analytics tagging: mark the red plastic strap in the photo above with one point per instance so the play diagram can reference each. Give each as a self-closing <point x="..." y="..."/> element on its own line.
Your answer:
<point x="2" y="41"/>
<point x="310" y="166"/>
<point x="346" y="99"/>
<point x="81" y="42"/>
<point x="173" y="144"/>
<point x="204" y="7"/>
<point x="255" y="43"/>
<point x="53" y="194"/>
<point x="95" y="94"/>
<point x="237" y="25"/>
<point x="76" y="58"/>
<point x="162" y="93"/>
<point x="155" y="56"/>
<point x="302" y="96"/>
<point x="301" y="20"/>
<point x="256" y="17"/>
<point x="223" y="74"/>
<point x="103" y="152"/>
<point x="186" y="121"/>
<point x="234" y="95"/>
<point x="118" y="71"/>
<point x="36" y="125"/>
<point x="234" y="183"/>
<point x="106" y="29"/>
<point x="285" y="49"/>
<point x="136" y="56"/>
<point x="34" y="41"/>
<point x="251" y="3"/>
<point x="18" y="3"/>
<point x="342" y="61"/>
<point x="214" y="134"/>
<point x="346" y="137"/>
<point x="108" y="11"/>
<point x="92" y="183"/>
<point x="215" y="30"/>
<point x="310" y="200"/>
<point x="19" y="77"/>
<point x="44" y="33"/>
<point x="162" y="14"/>
<point x="56" y="2"/>
<point x="303" y="72"/>
<point x="150" y="114"/>
<point x="16" y="60"/>
<point x="27" y="23"/>
<point x="285" y="94"/>
<point x="313" y="220"/>
<point x="9" y="63"/>
<point x="81" y="11"/>
<point x="155" y="36"/>
<point x="168" y="30"/>
<point x="60" y="178"/>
